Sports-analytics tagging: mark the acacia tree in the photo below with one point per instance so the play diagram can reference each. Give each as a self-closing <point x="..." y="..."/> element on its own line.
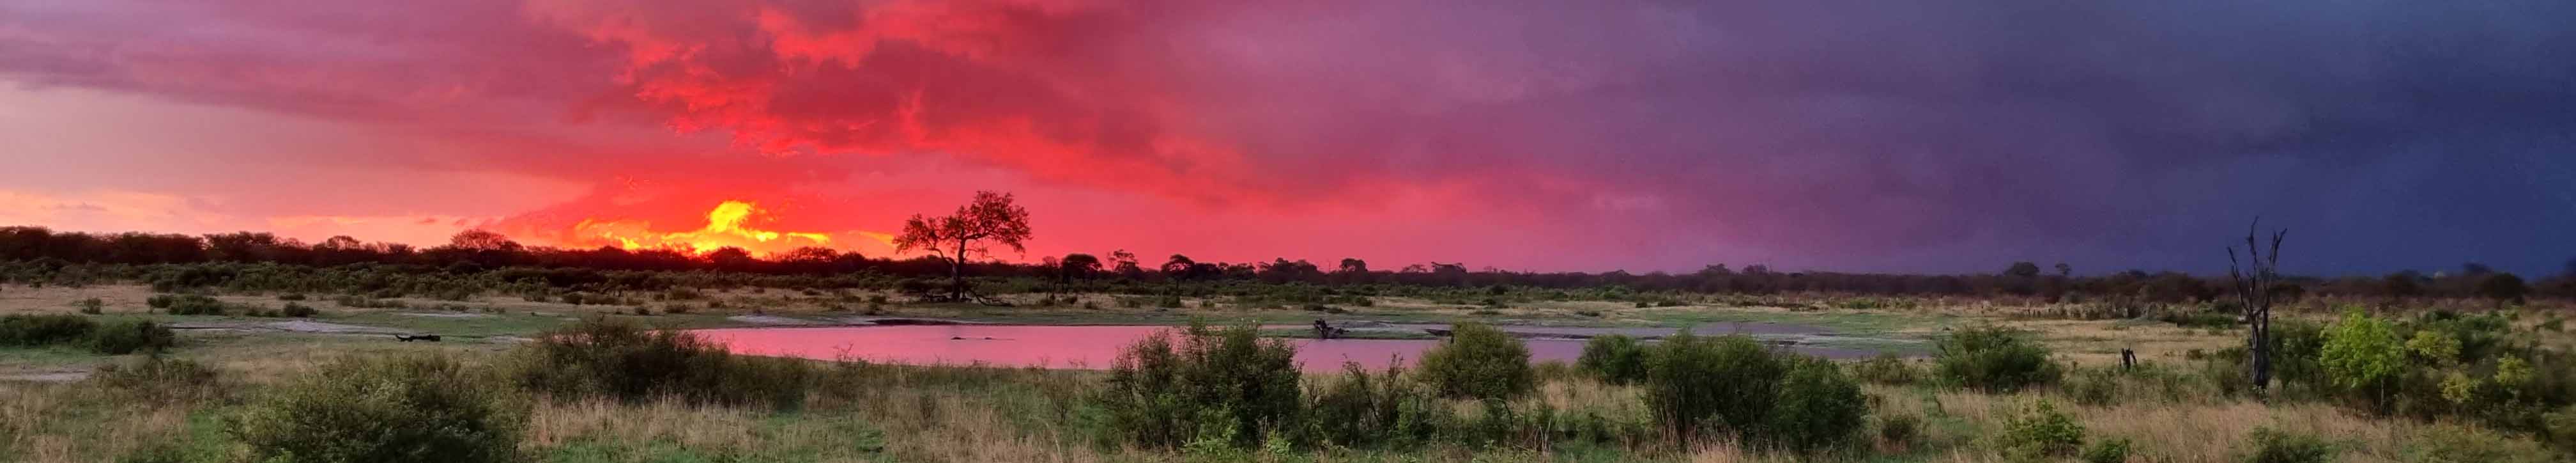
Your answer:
<point x="2254" y="278"/>
<point x="970" y="232"/>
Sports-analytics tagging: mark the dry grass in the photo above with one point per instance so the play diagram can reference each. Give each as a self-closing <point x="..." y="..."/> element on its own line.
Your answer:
<point x="47" y="423"/>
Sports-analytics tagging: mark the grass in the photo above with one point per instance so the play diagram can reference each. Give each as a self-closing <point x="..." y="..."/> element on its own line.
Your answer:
<point x="900" y="413"/>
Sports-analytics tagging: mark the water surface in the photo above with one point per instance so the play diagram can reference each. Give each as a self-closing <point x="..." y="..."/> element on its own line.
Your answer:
<point x="1087" y="347"/>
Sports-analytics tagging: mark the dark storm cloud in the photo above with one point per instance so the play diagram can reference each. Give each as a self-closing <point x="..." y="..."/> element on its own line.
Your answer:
<point x="1920" y="137"/>
<point x="1872" y="136"/>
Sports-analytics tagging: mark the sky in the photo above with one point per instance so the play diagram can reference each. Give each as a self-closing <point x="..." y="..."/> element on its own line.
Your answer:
<point x="1934" y="136"/>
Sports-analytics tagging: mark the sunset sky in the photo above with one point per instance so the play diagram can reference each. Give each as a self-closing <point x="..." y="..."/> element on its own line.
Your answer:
<point x="1860" y="136"/>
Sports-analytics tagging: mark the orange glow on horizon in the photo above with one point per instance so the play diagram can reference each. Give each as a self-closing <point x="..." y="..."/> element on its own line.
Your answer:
<point x="730" y="224"/>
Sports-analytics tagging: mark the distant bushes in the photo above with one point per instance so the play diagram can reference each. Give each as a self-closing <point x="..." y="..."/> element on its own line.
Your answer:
<point x="1615" y="359"/>
<point x="298" y="310"/>
<point x="113" y="338"/>
<point x="1995" y="359"/>
<point x="1886" y="368"/>
<point x="1478" y="361"/>
<point x="389" y="409"/>
<point x="129" y="336"/>
<point x="187" y="304"/>
<point x="39" y="330"/>
<point x="1224" y="387"/>
<point x="602" y="357"/>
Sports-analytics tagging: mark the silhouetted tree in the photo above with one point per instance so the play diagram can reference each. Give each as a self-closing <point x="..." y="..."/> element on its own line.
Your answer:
<point x="990" y="219"/>
<point x="2473" y="269"/>
<point x="2502" y="287"/>
<point x="1353" y="265"/>
<point x="1078" y="266"/>
<point x="2403" y="284"/>
<point x="478" y="240"/>
<point x="2022" y="270"/>
<point x="1178" y="266"/>
<point x="2254" y="279"/>
<point x="2065" y="271"/>
<point x="1125" y="264"/>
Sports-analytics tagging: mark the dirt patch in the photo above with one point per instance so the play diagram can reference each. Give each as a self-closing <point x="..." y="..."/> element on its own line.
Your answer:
<point x="772" y="320"/>
<point x="290" y="326"/>
<point x="444" y="315"/>
<point x="48" y="377"/>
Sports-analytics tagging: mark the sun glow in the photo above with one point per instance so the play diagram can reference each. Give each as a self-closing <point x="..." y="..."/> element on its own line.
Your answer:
<point x="730" y="224"/>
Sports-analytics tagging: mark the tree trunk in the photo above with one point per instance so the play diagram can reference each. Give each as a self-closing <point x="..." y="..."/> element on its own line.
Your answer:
<point x="957" y="273"/>
<point x="2254" y="279"/>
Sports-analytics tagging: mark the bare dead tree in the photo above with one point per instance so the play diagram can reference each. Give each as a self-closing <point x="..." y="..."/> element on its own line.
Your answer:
<point x="2254" y="278"/>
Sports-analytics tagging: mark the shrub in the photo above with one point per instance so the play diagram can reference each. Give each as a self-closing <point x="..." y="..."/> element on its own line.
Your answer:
<point x="2092" y="386"/>
<point x="299" y="310"/>
<point x="1900" y="430"/>
<point x="1478" y="361"/>
<point x="1695" y="383"/>
<point x="1818" y="408"/>
<point x="1886" y="368"/>
<point x="2269" y="446"/>
<point x="39" y="330"/>
<point x="92" y="306"/>
<point x="1995" y="359"/>
<point x="627" y="362"/>
<point x="2114" y="450"/>
<point x="188" y="304"/>
<point x="396" y="409"/>
<point x="2362" y="353"/>
<point x="130" y="336"/>
<point x="1359" y="409"/>
<point x="1615" y="359"/>
<point x="2448" y="443"/>
<point x="1225" y="386"/>
<point x="291" y="297"/>
<point x="2041" y="432"/>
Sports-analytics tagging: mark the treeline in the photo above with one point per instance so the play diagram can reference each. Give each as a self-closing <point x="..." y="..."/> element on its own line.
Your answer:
<point x="478" y="252"/>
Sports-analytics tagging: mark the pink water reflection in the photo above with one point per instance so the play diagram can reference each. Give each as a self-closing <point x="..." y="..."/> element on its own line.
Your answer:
<point x="1091" y="347"/>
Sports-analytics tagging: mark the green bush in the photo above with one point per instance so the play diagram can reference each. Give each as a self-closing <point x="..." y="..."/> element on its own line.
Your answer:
<point x="2269" y="446"/>
<point x="92" y="306"/>
<point x="1360" y="409"/>
<point x="628" y="362"/>
<point x="2362" y="354"/>
<point x="2114" y="450"/>
<point x="1995" y="359"/>
<point x="1479" y="362"/>
<point x="1615" y="359"/>
<point x="1698" y="383"/>
<point x="187" y="304"/>
<point x="1818" y="408"/>
<point x="298" y="310"/>
<point x="1227" y="387"/>
<point x="2448" y="443"/>
<point x="38" y="330"/>
<point x="2041" y="432"/>
<point x="394" y="409"/>
<point x="1886" y="368"/>
<point x="130" y="336"/>
<point x="2092" y="386"/>
<point x="1900" y="430"/>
